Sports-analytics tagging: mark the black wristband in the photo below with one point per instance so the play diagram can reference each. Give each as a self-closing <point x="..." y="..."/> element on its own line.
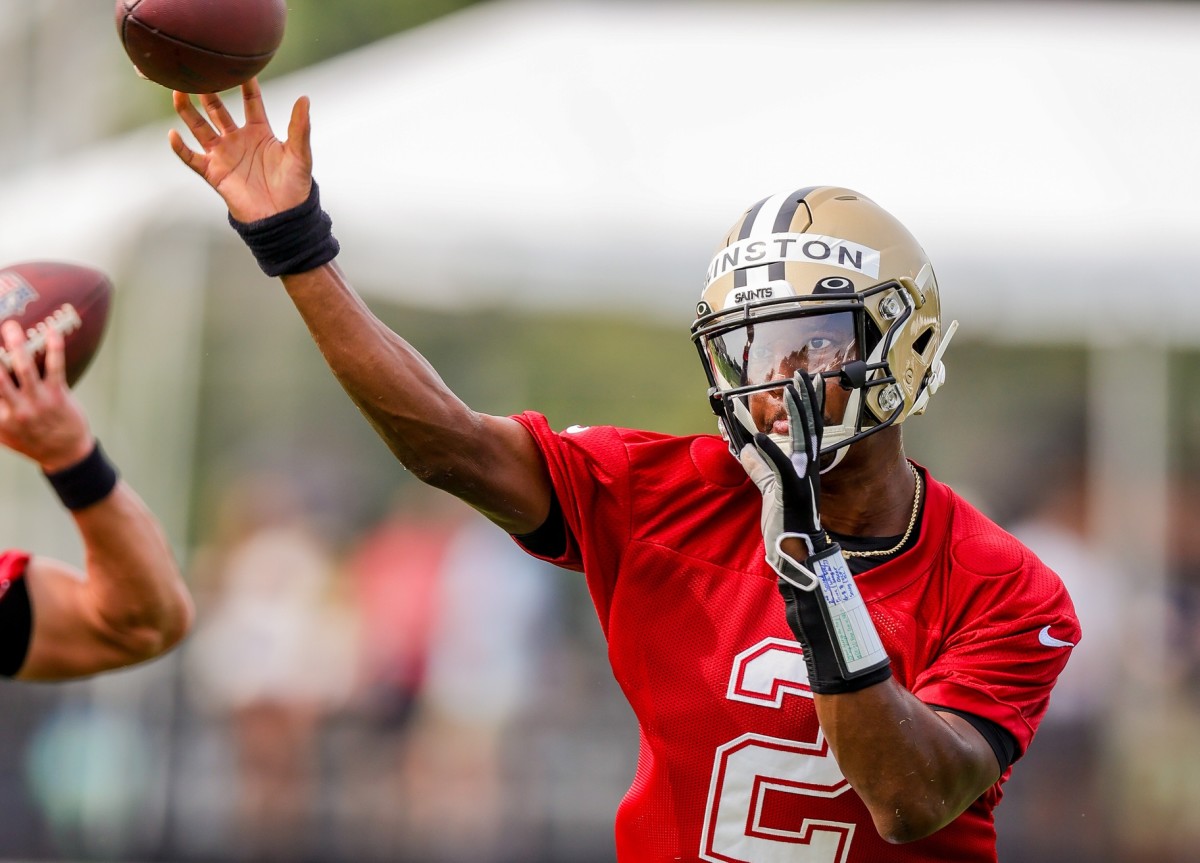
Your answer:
<point x="84" y="483"/>
<point x="293" y="241"/>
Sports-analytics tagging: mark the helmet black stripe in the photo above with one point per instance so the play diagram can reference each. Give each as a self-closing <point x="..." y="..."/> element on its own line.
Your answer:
<point x="783" y="224"/>
<point x="784" y="211"/>
<point x="739" y="276"/>
<point x="748" y="221"/>
<point x="783" y="219"/>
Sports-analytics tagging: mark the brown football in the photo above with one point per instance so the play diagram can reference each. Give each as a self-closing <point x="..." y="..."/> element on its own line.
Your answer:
<point x="200" y="46"/>
<point x="71" y="298"/>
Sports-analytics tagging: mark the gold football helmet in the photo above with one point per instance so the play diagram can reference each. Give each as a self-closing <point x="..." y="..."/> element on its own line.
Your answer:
<point x="826" y="282"/>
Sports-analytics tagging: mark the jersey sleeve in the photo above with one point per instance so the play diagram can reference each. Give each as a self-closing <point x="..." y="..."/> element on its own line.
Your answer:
<point x="589" y="470"/>
<point x="16" y="614"/>
<point x="1012" y="638"/>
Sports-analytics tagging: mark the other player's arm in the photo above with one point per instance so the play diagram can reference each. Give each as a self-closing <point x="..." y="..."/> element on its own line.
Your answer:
<point x="490" y="462"/>
<point x="129" y="604"/>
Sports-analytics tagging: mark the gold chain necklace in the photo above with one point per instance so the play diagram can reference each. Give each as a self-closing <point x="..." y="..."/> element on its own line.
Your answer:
<point x="912" y="522"/>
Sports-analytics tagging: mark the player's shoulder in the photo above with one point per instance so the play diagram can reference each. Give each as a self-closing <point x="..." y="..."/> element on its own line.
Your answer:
<point x="627" y="436"/>
<point x="982" y="550"/>
<point x="704" y="458"/>
<point x="657" y="456"/>
<point x="588" y="436"/>
<point x="980" y="545"/>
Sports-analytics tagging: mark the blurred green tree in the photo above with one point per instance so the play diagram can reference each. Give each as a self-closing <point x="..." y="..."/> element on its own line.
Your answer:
<point x="319" y="29"/>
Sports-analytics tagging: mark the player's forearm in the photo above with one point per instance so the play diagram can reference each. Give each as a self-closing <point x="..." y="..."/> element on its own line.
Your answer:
<point x="137" y="590"/>
<point x="914" y="771"/>
<point x="426" y="426"/>
<point x="489" y="462"/>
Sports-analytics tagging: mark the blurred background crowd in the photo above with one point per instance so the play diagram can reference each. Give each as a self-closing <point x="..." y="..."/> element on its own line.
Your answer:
<point x="379" y="674"/>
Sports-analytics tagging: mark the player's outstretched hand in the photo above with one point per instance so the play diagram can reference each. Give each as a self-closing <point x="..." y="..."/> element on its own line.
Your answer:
<point x="257" y="174"/>
<point x="39" y="416"/>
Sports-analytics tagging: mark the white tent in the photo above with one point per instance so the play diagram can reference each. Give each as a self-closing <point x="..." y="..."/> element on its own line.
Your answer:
<point x="552" y="153"/>
<point x="537" y="151"/>
<point x="576" y="153"/>
<point x="583" y="152"/>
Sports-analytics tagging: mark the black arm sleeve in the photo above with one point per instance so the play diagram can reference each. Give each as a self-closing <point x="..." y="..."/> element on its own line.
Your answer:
<point x="549" y="540"/>
<point x="16" y="627"/>
<point x="1001" y="741"/>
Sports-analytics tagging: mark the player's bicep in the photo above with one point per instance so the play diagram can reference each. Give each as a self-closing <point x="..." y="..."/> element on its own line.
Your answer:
<point x="1002" y="741"/>
<point x="512" y="484"/>
<point x="67" y="636"/>
<point x="981" y="756"/>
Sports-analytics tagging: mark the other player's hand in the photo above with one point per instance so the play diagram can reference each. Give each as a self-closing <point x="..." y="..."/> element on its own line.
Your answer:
<point x="254" y="172"/>
<point x="39" y="416"/>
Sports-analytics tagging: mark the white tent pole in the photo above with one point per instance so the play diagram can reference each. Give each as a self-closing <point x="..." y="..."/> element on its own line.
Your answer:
<point x="1129" y="465"/>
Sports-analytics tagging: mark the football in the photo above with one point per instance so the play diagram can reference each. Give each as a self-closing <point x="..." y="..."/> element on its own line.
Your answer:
<point x="73" y="299"/>
<point x="200" y="46"/>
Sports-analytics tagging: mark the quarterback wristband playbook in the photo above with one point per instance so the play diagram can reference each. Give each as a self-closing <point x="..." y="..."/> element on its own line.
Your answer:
<point x="293" y="241"/>
<point x="829" y="618"/>
<point x="85" y="483"/>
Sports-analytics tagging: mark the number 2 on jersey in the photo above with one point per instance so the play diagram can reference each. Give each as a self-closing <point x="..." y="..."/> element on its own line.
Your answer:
<point x="753" y="774"/>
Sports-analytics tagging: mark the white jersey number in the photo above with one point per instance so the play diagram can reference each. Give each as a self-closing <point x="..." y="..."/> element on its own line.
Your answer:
<point x="751" y="770"/>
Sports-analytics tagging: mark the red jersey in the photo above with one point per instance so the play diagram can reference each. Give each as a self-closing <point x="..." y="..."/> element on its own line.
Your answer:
<point x="733" y="765"/>
<point x="12" y="567"/>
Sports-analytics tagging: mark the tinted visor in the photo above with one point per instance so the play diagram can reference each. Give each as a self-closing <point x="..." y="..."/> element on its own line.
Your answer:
<point x="757" y="353"/>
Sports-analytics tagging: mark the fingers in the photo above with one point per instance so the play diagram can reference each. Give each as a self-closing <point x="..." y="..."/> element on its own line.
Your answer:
<point x="218" y="113"/>
<point x="195" y="161"/>
<point x="809" y="397"/>
<point x="800" y="420"/>
<point x="815" y="387"/>
<point x="8" y="388"/>
<point x="770" y="453"/>
<point x="56" y="359"/>
<point x="204" y="134"/>
<point x="252" y="102"/>
<point x="300" y="131"/>
<point x="24" y="366"/>
<point x="299" y="127"/>
<point x="757" y="468"/>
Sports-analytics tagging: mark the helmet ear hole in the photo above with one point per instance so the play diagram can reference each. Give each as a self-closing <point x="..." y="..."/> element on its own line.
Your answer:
<point x="921" y="342"/>
<point x="871" y="336"/>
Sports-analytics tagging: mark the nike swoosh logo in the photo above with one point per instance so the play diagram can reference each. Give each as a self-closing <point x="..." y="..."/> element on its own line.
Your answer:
<point x="576" y="429"/>
<point x="1049" y="640"/>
